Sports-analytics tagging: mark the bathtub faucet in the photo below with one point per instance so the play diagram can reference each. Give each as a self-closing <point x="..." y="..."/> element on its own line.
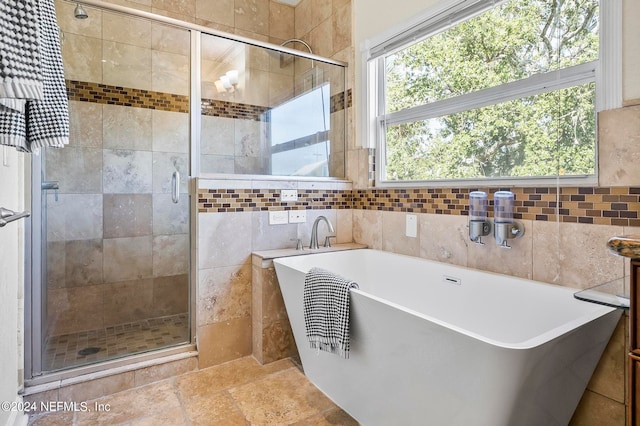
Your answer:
<point x="314" y="233"/>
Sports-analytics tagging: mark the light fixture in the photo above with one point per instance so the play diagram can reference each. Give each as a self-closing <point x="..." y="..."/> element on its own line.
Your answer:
<point x="227" y="82"/>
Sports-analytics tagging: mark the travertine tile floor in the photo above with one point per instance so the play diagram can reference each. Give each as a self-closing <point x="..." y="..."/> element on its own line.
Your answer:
<point x="240" y="392"/>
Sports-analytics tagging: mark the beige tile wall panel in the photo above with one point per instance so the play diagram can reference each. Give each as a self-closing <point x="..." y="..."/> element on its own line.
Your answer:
<point x="74" y="217"/>
<point x="165" y="38"/>
<point x="127" y="171"/>
<point x="126" y="127"/>
<point x="170" y="131"/>
<point x="170" y="295"/>
<point x="224" y="341"/>
<point x="77" y="170"/>
<point x="619" y="146"/>
<point x="574" y="255"/>
<point x="170" y="73"/>
<point x="127" y="30"/>
<point x="252" y="15"/>
<point x="367" y="228"/>
<point x="128" y="301"/>
<point x="170" y="255"/>
<point x="82" y="57"/>
<point x="85" y="124"/>
<point x="126" y="65"/>
<point x="216" y="11"/>
<point x="281" y="22"/>
<point x="75" y="309"/>
<point x="224" y="239"/>
<point x="217" y="136"/>
<point x="445" y="238"/>
<point x="128" y="258"/>
<point x="127" y="215"/>
<point x="224" y="294"/>
<point x="169" y="217"/>
<point x="74" y="263"/>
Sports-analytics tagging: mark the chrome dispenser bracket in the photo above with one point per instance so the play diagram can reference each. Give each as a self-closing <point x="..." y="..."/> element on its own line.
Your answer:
<point x="505" y="231"/>
<point x="479" y="229"/>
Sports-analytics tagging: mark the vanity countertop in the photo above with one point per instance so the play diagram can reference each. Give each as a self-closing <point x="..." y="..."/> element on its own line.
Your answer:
<point x="626" y="245"/>
<point x="264" y="258"/>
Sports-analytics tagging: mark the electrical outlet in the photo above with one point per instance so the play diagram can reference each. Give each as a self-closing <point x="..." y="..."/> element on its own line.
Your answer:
<point x="288" y="195"/>
<point x="278" y="218"/>
<point x="297" y="216"/>
<point x="412" y="226"/>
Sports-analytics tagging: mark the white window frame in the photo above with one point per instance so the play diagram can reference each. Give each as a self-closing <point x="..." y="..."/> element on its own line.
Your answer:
<point x="606" y="72"/>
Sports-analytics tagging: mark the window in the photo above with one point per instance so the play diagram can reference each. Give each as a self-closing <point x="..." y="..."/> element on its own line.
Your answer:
<point x="491" y="90"/>
<point x="300" y="144"/>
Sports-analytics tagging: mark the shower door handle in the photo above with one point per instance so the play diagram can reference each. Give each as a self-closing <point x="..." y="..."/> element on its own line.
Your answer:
<point x="175" y="187"/>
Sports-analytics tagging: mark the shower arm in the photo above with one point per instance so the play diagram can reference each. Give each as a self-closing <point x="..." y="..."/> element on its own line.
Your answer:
<point x="297" y="40"/>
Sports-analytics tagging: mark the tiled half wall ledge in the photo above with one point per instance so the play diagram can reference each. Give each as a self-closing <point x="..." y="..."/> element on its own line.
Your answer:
<point x="138" y="98"/>
<point x="618" y="206"/>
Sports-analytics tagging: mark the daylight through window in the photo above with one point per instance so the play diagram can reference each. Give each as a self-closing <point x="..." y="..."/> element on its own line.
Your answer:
<point x="508" y="92"/>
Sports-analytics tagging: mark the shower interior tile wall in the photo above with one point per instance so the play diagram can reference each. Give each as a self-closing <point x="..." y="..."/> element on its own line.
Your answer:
<point x="117" y="245"/>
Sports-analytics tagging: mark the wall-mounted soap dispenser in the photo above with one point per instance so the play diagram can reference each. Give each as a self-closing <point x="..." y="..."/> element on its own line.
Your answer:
<point x="479" y="226"/>
<point x="505" y="227"/>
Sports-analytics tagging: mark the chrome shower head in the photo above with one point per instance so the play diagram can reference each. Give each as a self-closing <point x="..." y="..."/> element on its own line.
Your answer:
<point x="79" y="12"/>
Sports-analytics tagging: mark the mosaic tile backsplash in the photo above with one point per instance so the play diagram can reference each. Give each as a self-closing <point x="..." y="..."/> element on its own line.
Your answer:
<point x="617" y="206"/>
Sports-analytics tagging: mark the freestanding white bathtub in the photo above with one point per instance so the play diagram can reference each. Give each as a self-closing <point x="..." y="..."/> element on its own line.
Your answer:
<point x="434" y="344"/>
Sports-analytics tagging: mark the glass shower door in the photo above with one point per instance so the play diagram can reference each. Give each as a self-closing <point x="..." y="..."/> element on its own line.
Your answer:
<point x="115" y="202"/>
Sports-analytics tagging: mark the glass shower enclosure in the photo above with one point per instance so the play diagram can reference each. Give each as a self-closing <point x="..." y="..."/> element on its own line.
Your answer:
<point x="154" y="103"/>
<point x="114" y="203"/>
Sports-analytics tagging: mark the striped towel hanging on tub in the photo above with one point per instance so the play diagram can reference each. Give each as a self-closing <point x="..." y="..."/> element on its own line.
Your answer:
<point x="326" y="311"/>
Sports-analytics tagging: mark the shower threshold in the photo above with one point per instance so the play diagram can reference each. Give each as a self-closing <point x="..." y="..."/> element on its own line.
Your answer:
<point x="88" y="347"/>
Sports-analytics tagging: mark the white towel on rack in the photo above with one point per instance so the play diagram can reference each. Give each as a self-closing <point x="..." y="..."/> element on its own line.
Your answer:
<point x="34" y="111"/>
<point x="327" y="311"/>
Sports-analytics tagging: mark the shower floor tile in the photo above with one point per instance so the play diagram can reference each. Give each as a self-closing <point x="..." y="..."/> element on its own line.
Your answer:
<point x="70" y="350"/>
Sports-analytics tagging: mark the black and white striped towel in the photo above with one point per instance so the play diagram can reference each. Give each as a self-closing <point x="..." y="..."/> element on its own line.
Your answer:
<point x="44" y="120"/>
<point x="326" y="311"/>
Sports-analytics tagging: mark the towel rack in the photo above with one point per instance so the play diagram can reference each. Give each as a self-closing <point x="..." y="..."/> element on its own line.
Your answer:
<point x="7" y="216"/>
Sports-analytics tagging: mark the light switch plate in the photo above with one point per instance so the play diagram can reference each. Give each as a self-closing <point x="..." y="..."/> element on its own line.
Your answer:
<point x="297" y="216"/>
<point x="288" y="195"/>
<point x="278" y="217"/>
<point x="412" y="226"/>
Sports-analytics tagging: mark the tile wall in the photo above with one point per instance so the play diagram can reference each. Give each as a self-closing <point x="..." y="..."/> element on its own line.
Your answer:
<point x="226" y="239"/>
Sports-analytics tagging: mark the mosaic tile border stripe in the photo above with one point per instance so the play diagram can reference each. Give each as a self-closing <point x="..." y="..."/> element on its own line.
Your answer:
<point x="226" y="109"/>
<point x="588" y="205"/>
<point x="247" y="200"/>
<point x="601" y="206"/>
<point x="125" y="96"/>
<point x="138" y="98"/>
